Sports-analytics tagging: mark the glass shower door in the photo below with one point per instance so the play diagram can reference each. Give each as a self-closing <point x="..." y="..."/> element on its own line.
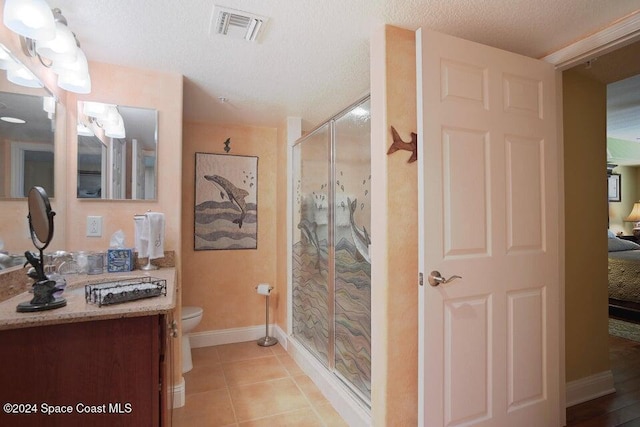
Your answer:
<point x="311" y="317"/>
<point x="331" y="263"/>
<point x="352" y="228"/>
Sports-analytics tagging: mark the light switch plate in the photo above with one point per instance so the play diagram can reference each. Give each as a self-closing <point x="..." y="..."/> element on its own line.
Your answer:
<point x="94" y="226"/>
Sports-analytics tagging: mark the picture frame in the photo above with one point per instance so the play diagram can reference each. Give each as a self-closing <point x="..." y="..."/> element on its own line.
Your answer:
<point x="614" y="187"/>
<point x="226" y="202"/>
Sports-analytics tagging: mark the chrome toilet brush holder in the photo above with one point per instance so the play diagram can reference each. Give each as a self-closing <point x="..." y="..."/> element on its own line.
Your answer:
<point x="267" y="341"/>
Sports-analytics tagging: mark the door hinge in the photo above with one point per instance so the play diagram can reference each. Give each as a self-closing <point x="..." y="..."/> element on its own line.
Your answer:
<point x="173" y="329"/>
<point x="421" y="279"/>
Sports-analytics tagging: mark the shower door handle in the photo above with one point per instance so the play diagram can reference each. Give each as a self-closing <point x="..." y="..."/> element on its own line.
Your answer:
<point x="435" y="278"/>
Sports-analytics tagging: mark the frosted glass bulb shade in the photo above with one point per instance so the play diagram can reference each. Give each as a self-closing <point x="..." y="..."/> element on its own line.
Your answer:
<point x="94" y="109"/>
<point x="79" y="66"/>
<point x="83" y="130"/>
<point x="77" y="83"/>
<point x="30" y="18"/>
<point x="49" y="104"/>
<point x="62" y="48"/>
<point x="20" y="75"/>
<point x="5" y="59"/>
<point x="115" y="130"/>
<point x="111" y="116"/>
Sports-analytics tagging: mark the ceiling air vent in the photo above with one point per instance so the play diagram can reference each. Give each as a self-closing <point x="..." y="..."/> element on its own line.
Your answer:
<point x="236" y="23"/>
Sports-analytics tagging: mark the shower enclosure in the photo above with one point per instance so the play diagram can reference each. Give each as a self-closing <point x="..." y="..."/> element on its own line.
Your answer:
<point x="331" y="292"/>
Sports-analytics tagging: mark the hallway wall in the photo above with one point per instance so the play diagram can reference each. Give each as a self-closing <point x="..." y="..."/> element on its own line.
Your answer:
<point x="586" y="299"/>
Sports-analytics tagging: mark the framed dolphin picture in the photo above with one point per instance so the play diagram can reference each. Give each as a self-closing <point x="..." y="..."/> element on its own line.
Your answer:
<point x="226" y="202"/>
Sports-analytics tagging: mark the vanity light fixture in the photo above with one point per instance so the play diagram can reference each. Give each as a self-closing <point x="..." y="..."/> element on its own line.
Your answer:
<point x="105" y="116"/>
<point x="45" y="35"/>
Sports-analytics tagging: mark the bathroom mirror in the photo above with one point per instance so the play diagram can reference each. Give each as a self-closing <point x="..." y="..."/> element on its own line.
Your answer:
<point x="40" y="218"/>
<point x="46" y="293"/>
<point x="117" y="152"/>
<point x="27" y="127"/>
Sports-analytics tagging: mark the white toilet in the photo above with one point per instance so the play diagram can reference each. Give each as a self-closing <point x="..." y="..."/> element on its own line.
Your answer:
<point x="191" y="316"/>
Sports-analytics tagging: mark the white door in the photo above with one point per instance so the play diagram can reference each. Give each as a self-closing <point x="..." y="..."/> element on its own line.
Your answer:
<point x="488" y="212"/>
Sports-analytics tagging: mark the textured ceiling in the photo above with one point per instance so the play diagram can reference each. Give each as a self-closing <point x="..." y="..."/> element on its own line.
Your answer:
<point x="312" y="59"/>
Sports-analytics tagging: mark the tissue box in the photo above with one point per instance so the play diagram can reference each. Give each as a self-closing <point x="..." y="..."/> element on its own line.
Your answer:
<point x="119" y="260"/>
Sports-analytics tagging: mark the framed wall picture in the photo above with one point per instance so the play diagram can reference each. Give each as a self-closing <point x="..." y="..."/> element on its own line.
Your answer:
<point x="614" y="186"/>
<point x="226" y="202"/>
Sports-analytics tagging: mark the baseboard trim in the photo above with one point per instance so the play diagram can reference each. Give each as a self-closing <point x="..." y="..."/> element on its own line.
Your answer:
<point x="350" y="409"/>
<point x="229" y="336"/>
<point x="281" y="336"/>
<point x="589" y="388"/>
<point x="178" y="392"/>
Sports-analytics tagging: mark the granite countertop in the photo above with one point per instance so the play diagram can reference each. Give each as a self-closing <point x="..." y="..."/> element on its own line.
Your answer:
<point x="78" y="310"/>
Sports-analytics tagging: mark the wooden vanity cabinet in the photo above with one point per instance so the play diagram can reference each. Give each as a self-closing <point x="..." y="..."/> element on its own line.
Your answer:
<point x="101" y="373"/>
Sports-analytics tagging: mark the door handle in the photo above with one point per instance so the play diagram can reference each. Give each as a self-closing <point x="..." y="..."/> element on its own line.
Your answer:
<point x="435" y="278"/>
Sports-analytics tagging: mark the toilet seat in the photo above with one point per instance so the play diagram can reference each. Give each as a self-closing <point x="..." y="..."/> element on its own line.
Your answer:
<point x="190" y="312"/>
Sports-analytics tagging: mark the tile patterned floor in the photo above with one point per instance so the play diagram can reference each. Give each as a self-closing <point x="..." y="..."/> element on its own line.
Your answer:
<point x="244" y="384"/>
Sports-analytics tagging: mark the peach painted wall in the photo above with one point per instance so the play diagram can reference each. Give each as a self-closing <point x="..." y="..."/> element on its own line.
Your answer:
<point x="223" y="282"/>
<point x="394" y="267"/>
<point x="133" y="88"/>
<point x="280" y="305"/>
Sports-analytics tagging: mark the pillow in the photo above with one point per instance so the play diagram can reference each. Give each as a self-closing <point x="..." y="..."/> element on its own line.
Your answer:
<point x="611" y="234"/>
<point x="617" y="245"/>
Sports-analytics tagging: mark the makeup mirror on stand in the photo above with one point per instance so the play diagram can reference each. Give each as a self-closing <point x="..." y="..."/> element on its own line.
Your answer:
<point x="41" y="227"/>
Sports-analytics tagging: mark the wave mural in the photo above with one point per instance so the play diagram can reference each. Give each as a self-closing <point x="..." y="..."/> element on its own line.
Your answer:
<point x="352" y="309"/>
<point x="353" y="317"/>
<point x="215" y="227"/>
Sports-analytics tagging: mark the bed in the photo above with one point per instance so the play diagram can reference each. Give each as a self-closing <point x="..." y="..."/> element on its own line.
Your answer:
<point x="624" y="277"/>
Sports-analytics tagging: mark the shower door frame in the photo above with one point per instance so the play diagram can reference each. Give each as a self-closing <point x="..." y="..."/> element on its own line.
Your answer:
<point x="331" y="285"/>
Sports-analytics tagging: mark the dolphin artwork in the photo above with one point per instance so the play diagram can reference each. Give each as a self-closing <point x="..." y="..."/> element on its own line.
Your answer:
<point x="360" y="237"/>
<point x="236" y="195"/>
<point x="309" y="231"/>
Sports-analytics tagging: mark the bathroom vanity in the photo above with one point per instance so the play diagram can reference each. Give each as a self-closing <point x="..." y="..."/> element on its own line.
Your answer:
<point x="87" y="365"/>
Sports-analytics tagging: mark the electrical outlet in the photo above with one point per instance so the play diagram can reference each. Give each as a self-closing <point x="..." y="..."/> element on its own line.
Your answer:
<point x="94" y="226"/>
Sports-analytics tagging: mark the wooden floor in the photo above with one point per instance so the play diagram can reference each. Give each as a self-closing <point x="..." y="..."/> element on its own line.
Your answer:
<point x="621" y="408"/>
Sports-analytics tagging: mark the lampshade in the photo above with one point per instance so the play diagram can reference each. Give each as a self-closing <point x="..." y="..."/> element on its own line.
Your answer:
<point x="634" y="216"/>
<point x="63" y="48"/>
<point x="79" y="66"/>
<point x="115" y="130"/>
<point x="83" y="130"/>
<point x="76" y="83"/>
<point x="30" y="18"/>
<point x="94" y="109"/>
<point x="20" y="75"/>
<point x="5" y="59"/>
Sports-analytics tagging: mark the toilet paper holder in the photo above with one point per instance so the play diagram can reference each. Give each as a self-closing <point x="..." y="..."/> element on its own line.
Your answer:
<point x="266" y="341"/>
